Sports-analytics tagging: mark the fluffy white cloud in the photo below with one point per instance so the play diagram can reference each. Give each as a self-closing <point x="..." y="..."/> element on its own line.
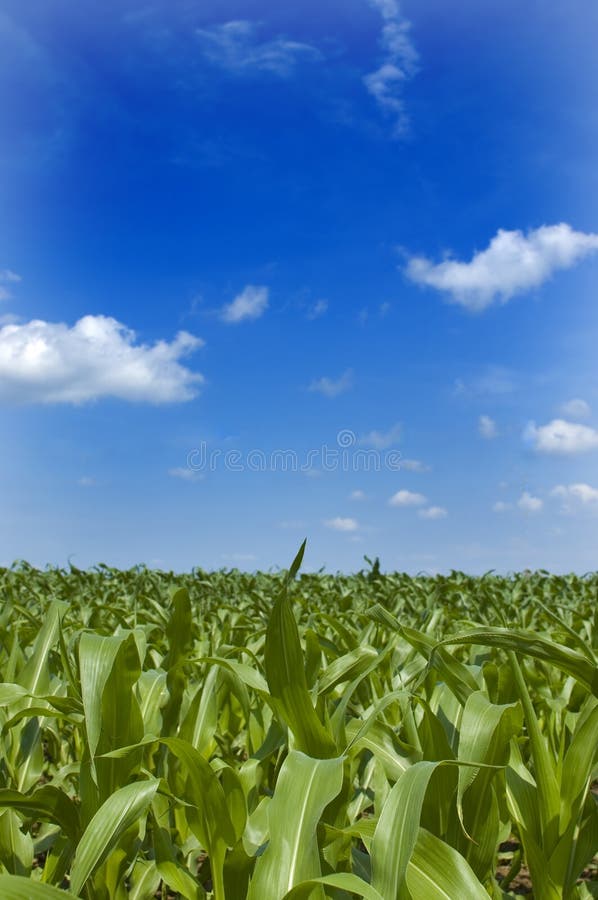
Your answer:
<point x="561" y="437"/>
<point x="332" y="387"/>
<point x="528" y="503"/>
<point x="234" y="46"/>
<point x="251" y="303"/>
<point x="513" y="262"/>
<point x="433" y="512"/>
<point x="340" y="524"/>
<point x="407" y="498"/>
<point x="381" y="440"/>
<point x="576" y="408"/>
<point x="487" y="427"/>
<point x="386" y="83"/>
<point x="45" y="362"/>
<point x="576" y="496"/>
<point x="414" y="465"/>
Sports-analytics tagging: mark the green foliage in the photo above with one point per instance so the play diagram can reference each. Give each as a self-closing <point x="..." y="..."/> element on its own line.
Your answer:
<point x="274" y="736"/>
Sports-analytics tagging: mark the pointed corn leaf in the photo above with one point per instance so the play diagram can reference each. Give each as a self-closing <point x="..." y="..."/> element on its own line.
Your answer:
<point x="305" y="787"/>
<point x="285" y="672"/>
<point x="119" y="812"/>
<point x="97" y="654"/>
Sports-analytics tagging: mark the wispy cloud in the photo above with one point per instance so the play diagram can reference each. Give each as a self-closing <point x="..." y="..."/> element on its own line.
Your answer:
<point x="407" y="498"/>
<point x="501" y="506"/>
<point x="576" y="409"/>
<point x="493" y="381"/>
<point x="332" y="387"/>
<point x="433" y="513"/>
<point x="381" y="440"/>
<point x="236" y="47"/>
<point x="487" y="428"/>
<point x="45" y="362"/>
<point x="341" y="524"/>
<point x="7" y="276"/>
<point x="185" y="473"/>
<point x="251" y="303"/>
<point x="399" y="64"/>
<point x="512" y="263"/>
<point x="317" y="309"/>
<point x="358" y="495"/>
<point x="561" y="437"/>
<point x="414" y="465"/>
<point x="87" y="482"/>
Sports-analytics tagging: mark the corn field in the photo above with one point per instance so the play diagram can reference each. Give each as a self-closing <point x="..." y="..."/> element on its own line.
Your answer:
<point x="293" y="736"/>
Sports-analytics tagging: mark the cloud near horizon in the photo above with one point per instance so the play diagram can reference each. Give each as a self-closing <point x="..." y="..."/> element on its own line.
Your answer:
<point x="512" y="263"/>
<point x="46" y="362"/>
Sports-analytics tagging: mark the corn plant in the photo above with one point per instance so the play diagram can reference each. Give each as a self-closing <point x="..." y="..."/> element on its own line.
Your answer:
<point x="278" y="737"/>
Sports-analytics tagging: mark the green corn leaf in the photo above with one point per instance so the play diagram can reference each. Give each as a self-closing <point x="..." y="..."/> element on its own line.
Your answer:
<point x="126" y="807"/>
<point x="14" y="887"/>
<point x="344" y="881"/>
<point x="285" y="673"/>
<point x="304" y="788"/>
<point x="570" y="661"/>
<point x="437" y="872"/>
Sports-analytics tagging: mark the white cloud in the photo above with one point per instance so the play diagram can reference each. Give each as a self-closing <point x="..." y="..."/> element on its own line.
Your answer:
<point x="381" y="440"/>
<point x="340" y="524"/>
<point x="576" y="496"/>
<point x="332" y="387"/>
<point x="512" y="263"/>
<point x="433" y="512"/>
<point x="358" y="495"/>
<point x="45" y="362"/>
<point x="414" y="465"/>
<point x="407" y="498"/>
<point x="317" y="310"/>
<point x="576" y="408"/>
<point x="561" y="437"/>
<point x="528" y="503"/>
<point x="251" y="303"/>
<point x="185" y="473"/>
<point x="399" y="64"/>
<point x="234" y="46"/>
<point x="7" y="276"/>
<point x="487" y="427"/>
<point x="501" y="506"/>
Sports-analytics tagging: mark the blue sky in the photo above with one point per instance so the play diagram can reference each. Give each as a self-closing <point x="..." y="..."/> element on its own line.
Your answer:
<point x="233" y="229"/>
